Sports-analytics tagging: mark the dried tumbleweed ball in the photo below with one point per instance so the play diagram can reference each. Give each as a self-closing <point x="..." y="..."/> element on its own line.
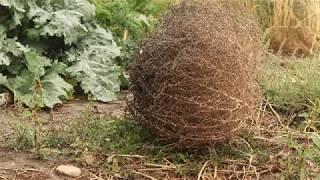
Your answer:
<point x="194" y="82"/>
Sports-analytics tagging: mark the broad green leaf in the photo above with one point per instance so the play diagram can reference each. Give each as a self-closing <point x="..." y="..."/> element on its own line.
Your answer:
<point x="46" y="38"/>
<point x="2" y="35"/>
<point x="5" y="2"/>
<point x="95" y="69"/>
<point x="63" y="19"/>
<point x="72" y="29"/>
<point x="82" y="6"/>
<point x="23" y="88"/>
<point x="44" y="92"/>
<point x="36" y="64"/>
<point x="15" y="66"/>
<point x="98" y="36"/>
<point x="39" y="86"/>
<point x="54" y="89"/>
<point x="9" y="46"/>
<point x="15" y="48"/>
<point x="98" y="77"/>
<point x="57" y="67"/>
<point x="4" y="59"/>
<point x="101" y="41"/>
<point x="37" y="14"/>
<point x="17" y="10"/>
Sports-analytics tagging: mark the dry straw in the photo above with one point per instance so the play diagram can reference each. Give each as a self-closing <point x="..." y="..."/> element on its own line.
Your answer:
<point x="292" y="26"/>
<point x="194" y="82"/>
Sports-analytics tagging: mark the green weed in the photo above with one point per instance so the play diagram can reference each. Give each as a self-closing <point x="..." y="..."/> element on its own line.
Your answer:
<point x="120" y="145"/>
<point x="99" y="134"/>
<point x="22" y="138"/>
<point x="290" y="84"/>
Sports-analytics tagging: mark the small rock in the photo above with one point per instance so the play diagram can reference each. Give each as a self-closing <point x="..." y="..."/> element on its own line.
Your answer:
<point x="68" y="170"/>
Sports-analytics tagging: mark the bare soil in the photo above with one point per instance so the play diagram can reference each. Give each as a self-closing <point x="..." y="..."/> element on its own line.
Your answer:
<point x="65" y="113"/>
<point x="24" y="165"/>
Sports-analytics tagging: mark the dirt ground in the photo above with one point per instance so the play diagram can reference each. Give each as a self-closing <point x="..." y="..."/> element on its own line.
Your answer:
<point x="64" y="113"/>
<point x="24" y="165"/>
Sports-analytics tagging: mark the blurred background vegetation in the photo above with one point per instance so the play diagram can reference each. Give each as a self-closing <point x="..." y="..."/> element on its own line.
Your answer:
<point x="290" y="29"/>
<point x="290" y="32"/>
<point x="129" y="21"/>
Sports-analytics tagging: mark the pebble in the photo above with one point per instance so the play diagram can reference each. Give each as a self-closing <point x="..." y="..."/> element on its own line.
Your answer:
<point x="69" y="170"/>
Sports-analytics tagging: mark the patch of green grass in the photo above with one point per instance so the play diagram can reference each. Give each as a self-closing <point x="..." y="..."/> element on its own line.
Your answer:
<point x="291" y="84"/>
<point x="107" y="134"/>
<point x="120" y="145"/>
<point x="22" y="138"/>
<point x="20" y="135"/>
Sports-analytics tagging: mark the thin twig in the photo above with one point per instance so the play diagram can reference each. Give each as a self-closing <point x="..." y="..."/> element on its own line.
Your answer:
<point x="130" y="156"/>
<point x="155" y="169"/>
<point x="202" y="169"/>
<point x="215" y="172"/>
<point x="122" y="155"/>
<point x="170" y="163"/>
<point x="160" y="166"/>
<point x="244" y="173"/>
<point x="144" y="175"/>
<point x="276" y="114"/>
<point x="95" y="176"/>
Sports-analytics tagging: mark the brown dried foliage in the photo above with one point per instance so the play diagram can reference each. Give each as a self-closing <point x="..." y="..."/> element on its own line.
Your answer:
<point x="193" y="84"/>
<point x="298" y="41"/>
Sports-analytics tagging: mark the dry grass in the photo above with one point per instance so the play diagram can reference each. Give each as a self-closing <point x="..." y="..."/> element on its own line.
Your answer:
<point x="272" y="147"/>
<point x="292" y="26"/>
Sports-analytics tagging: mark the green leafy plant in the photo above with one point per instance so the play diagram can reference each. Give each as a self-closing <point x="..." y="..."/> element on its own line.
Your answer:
<point x="46" y="45"/>
<point x="130" y="21"/>
<point x="22" y="138"/>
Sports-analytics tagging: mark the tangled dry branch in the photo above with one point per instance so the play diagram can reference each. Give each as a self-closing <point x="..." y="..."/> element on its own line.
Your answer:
<point x="194" y="82"/>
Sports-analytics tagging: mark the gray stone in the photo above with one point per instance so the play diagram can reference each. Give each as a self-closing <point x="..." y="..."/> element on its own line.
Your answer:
<point x="68" y="170"/>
